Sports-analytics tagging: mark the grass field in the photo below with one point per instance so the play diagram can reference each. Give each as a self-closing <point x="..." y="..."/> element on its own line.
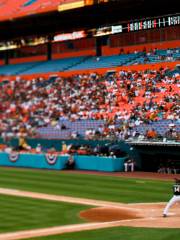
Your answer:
<point x="19" y="213"/>
<point x="24" y="213"/>
<point x="108" y="188"/>
<point x="118" y="233"/>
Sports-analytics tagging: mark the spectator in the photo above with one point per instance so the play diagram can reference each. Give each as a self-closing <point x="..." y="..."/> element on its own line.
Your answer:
<point x="23" y="144"/>
<point x="38" y="148"/>
<point x="64" y="147"/>
<point x="151" y="134"/>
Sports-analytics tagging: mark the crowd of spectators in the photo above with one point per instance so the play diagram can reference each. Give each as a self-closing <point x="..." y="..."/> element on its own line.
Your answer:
<point x="124" y="100"/>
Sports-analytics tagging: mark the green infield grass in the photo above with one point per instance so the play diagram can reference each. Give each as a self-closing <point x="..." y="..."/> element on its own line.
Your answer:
<point x="109" y="188"/>
<point x="118" y="233"/>
<point x="18" y="213"/>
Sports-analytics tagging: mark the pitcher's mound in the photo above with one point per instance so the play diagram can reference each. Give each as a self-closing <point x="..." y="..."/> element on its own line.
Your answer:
<point x="106" y="214"/>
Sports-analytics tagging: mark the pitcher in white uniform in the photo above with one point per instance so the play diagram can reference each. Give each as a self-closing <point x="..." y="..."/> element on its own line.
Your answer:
<point x="175" y="198"/>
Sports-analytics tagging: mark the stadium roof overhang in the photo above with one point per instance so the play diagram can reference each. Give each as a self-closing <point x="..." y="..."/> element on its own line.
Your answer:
<point x="85" y="18"/>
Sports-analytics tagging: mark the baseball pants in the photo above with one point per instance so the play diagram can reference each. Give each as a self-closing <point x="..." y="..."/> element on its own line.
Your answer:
<point x="172" y="201"/>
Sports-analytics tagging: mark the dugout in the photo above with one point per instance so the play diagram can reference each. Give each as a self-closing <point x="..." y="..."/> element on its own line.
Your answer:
<point x="153" y="155"/>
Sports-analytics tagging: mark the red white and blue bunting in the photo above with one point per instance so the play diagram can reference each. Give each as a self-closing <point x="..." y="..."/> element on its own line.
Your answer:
<point x="51" y="158"/>
<point x="13" y="156"/>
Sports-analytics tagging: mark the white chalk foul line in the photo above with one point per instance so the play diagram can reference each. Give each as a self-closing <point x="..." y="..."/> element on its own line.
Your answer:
<point x="63" y="229"/>
<point x="60" y="198"/>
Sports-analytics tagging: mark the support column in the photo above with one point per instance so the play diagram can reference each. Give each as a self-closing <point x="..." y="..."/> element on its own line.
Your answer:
<point x="49" y="48"/>
<point x="6" y="57"/>
<point x="98" y="47"/>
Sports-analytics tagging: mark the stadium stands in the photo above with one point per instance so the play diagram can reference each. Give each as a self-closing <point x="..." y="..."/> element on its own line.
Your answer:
<point x="90" y="62"/>
<point x="15" y="69"/>
<point x="13" y="9"/>
<point x="157" y="56"/>
<point x="55" y="65"/>
<point x="106" y="61"/>
<point x="119" y="105"/>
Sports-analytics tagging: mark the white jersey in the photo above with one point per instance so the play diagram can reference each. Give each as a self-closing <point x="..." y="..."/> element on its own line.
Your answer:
<point x="175" y="198"/>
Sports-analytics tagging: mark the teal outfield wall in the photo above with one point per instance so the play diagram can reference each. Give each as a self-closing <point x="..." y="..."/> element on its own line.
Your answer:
<point x="57" y="162"/>
<point x="57" y="144"/>
<point x="32" y="160"/>
<point x="99" y="163"/>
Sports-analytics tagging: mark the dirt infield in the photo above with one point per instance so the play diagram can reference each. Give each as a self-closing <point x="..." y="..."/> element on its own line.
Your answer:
<point x="106" y="214"/>
<point x="103" y="215"/>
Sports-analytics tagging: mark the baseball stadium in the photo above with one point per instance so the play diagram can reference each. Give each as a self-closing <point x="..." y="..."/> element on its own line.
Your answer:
<point x="89" y="119"/>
